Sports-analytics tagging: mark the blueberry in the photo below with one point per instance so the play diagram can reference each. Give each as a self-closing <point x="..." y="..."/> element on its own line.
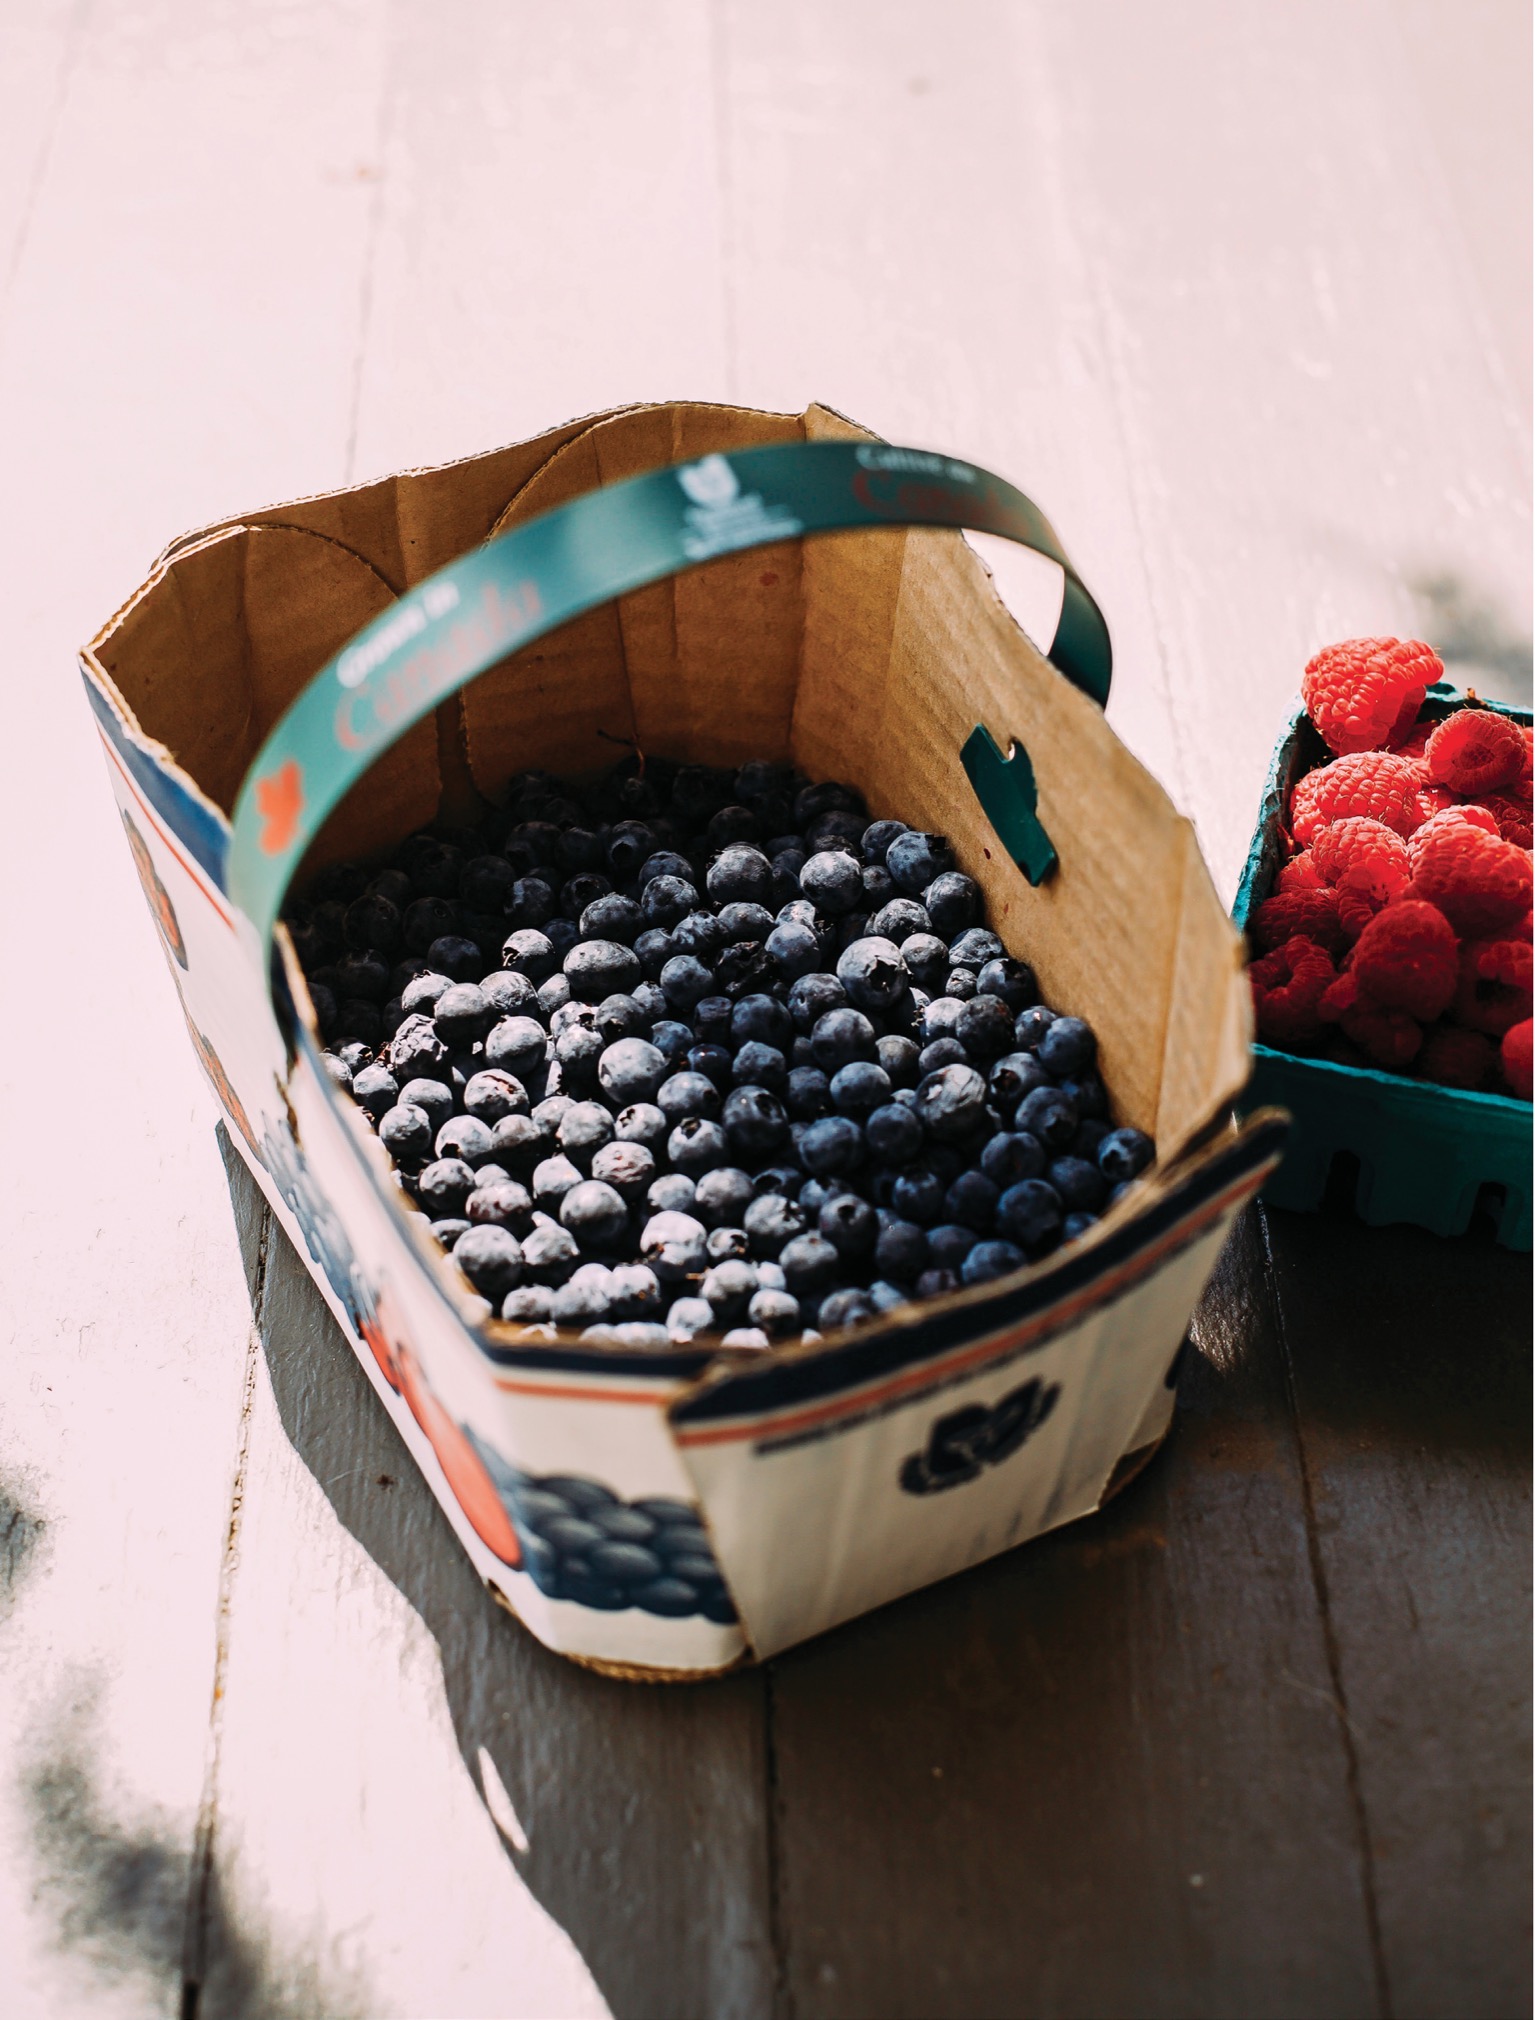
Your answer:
<point x="714" y="1063"/>
<point x="420" y="994"/>
<point x="550" y="1252"/>
<point x="746" y="922"/>
<point x="989" y="1260"/>
<point x="813" y="997"/>
<point x="1067" y="1047"/>
<point x="552" y="993"/>
<point x="687" y="1317"/>
<point x="584" y="1128"/>
<point x="972" y="1201"/>
<point x="701" y="935"/>
<point x="427" y="920"/>
<point x="628" y="1167"/>
<point x="415" y="1051"/>
<point x="723" y="1197"/>
<point x="761" y="1065"/>
<point x="620" y="1016"/>
<point x="844" y="1308"/>
<point x="685" y="1094"/>
<point x="850" y="1224"/>
<point x="833" y="882"/>
<point x="509" y="993"/>
<point x="934" y="1283"/>
<point x="1049" y="1115"/>
<point x="794" y="950"/>
<point x="859" y="1088"/>
<point x="552" y="1179"/>
<point x="1009" y="1157"/>
<point x="1029" y="1214"/>
<point x="915" y="859"/>
<point x="643" y="1123"/>
<point x="595" y="1214"/>
<point x="918" y="1196"/>
<point x="375" y="1089"/>
<point x="530" y="953"/>
<point x="491" y="1094"/>
<point x="551" y="1111"/>
<point x="873" y="974"/>
<point x="985" y="1028"/>
<point x="577" y="1051"/>
<point x="444" y="1186"/>
<point x="900" y="1251"/>
<point x="491" y="1258"/>
<point x="1015" y="1075"/>
<point x="900" y="920"/>
<point x="653" y="949"/>
<point x="831" y="1147"/>
<point x="635" y="1295"/>
<point x="898" y="1057"/>
<point x="711" y="1020"/>
<point x="1082" y="1186"/>
<point x="771" y="1221"/>
<point x="520" y="1143"/>
<point x="507" y="1206"/>
<point x="528" y="1306"/>
<point x="830" y="795"/>
<point x="783" y="1178"/>
<point x="338" y="1070"/>
<point x="927" y="960"/>
<point x="810" y="1265"/>
<point x="894" y="1134"/>
<point x="516" y="1045"/>
<point x="486" y="884"/>
<point x="457" y="958"/>
<point x="1089" y="1095"/>
<point x="840" y="1037"/>
<point x="1123" y="1155"/>
<point x="949" y="1244"/>
<point x="1012" y="980"/>
<point x="973" y="948"/>
<point x="596" y="968"/>
<point x="672" y="1192"/>
<point x="754" y="1121"/>
<point x="815" y="1192"/>
<point x="630" y="1071"/>
<point x="878" y="836"/>
<point x="406" y="1133"/>
<point x="951" y="1103"/>
<point x="465" y="1137"/>
<point x="728" y="1288"/>
<point x="740" y="874"/>
<point x="1031" y="1025"/>
<point x="673" y="1245"/>
<point x="562" y="935"/>
<point x="630" y="845"/>
<point x="960" y="984"/>
<point x="697" y="1145"/>
<point x="685" y="981"/>
<point x="613" y="918"/>
<point x="1091" y="1131"/>
<point x="664" y="863"/>
<point x="585" y="1300"/>
<point x="953" y="902"/>
<point x="775" y="1312"/>
<point x="671" y="1039"/>
<point x="940" y="1053"/>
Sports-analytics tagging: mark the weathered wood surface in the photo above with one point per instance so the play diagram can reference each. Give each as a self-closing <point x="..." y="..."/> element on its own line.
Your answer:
<point x="1240" y="293"/>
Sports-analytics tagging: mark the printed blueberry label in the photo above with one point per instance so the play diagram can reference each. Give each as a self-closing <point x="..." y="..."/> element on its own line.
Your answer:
<point x="964" y="1443"/>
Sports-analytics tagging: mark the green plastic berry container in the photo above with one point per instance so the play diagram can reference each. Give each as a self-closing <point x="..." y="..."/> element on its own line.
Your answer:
<point x="1424" y="1155"/>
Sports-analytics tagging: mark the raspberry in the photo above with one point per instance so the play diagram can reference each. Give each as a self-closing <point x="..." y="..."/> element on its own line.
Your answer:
<point x="1363" y="855"/>
<point x="1434" y="799"/>
<point x="1480" y="882"/>
<point x="1456" y="1058"/>
<point x="1446" y="819"/>
<point x="1412" y="745"/>
<point x="1516" y="1059"/>
<point x="1406" y="959"/>
<point x="1362" y="692"/>
<point x="1388" y="1038"/>
<point x="1493" y="992"/>
<point x="1300" y="874"/>
<point x="1373" y="783"/>
<point x="1310" y="913"/>
<point x="1288" y="986"/>
<point x="1475" y="751"/>
<point x="1512" y="815"/>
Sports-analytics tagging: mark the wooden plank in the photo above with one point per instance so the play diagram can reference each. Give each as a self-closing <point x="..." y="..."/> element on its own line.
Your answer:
<point x="370" y="1675"/>
<point x="1103" y="1774"/>
<point x="1410" y="1359"/>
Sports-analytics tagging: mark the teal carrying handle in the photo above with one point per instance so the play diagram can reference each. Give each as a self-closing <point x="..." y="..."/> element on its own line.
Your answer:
<point x="471" y="614"/>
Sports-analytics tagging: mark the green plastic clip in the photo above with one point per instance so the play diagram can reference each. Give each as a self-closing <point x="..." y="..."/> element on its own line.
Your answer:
<point x="1006" y="790"/>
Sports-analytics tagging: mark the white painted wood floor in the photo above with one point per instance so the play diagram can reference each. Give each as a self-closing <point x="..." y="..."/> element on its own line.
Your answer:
<point x="1238" y="292"/>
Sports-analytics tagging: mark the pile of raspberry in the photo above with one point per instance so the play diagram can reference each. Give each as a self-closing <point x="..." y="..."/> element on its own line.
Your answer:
<point x="1397" y="935"/>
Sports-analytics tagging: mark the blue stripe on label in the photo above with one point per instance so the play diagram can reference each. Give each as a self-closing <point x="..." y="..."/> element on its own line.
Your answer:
<point x="200" y="831"/>
<point x="831" y="1370"/>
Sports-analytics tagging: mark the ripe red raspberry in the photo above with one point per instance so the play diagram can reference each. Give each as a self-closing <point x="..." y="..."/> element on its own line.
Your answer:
<point x="1475" y="751"/>
<point x="1413" y="744"/>
<point x="1494" y="990"/>
<point x="1447" y="818"/>
<point x="1434" y="799"/>
<point x="1363" y="855"/>
<point x="1512" y="815"/>
<point x="1364" y="691"/>
<point x="1456" y="1058"/>
<point x="1308" y="914"/>
<point x="1480" y="882"/>
<point x="1388" y="1038"/>
<point x="1516" y="1059"/>
<point x="1300" y="874"/>
<point x="1288" y="986"/>
<point x="1373" y="783"/>
<point x="1406" y="959"/>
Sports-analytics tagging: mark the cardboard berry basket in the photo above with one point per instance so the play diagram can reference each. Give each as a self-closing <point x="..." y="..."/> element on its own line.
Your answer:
<point x="708" y="584"/>
<point x="1426" y="1154"/>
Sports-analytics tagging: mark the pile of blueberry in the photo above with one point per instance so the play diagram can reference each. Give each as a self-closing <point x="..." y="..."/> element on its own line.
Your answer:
<point x="580" y="1541"/>
<point x="687" y="1051"/>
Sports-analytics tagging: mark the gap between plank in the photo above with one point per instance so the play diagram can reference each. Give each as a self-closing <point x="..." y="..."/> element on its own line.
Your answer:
<point x="783" y="1993"/>
<point x="1339" y="1700"/>
<point x="194" y="1961"/>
